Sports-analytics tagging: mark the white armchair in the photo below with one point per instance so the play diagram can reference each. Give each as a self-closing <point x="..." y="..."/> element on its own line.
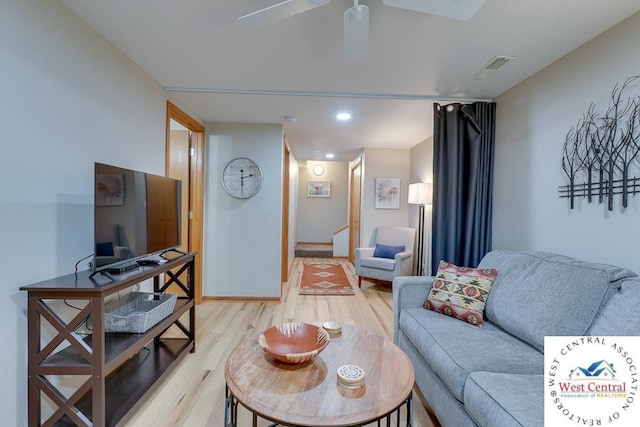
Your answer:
<point x="380" y="267"/>
<point x="117" y="246"/>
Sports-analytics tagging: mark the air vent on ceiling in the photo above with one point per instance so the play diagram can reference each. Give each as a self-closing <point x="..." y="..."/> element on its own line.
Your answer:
<point x="492" y="66"/>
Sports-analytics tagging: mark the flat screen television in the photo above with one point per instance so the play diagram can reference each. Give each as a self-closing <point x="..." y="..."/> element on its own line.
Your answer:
<point x="137" y="218"/>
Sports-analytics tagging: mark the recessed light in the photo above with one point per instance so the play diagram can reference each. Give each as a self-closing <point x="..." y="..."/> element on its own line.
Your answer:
<point x="329" y="155"/>
<point x="343" y="116"/>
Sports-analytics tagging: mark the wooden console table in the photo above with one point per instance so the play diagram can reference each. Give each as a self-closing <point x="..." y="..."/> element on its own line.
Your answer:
<point x="116" y="371"/>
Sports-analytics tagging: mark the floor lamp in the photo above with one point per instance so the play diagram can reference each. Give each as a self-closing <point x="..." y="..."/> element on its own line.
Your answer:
<point x="420" y="194"/>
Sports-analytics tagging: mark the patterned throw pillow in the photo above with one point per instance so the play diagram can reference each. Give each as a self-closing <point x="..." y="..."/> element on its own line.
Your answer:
<point x="461" y="292"/>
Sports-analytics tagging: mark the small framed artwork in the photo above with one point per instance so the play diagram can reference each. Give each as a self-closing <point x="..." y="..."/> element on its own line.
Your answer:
<point x="387" y="193"/>
<point x="109" y="190"/>
<point x="318" y="189"/>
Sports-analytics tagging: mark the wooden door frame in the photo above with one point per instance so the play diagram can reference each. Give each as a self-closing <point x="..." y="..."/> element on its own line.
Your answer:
<point x="196" y="196"/>
<point x="286" y="163"/>
<point x="352" y="167"/>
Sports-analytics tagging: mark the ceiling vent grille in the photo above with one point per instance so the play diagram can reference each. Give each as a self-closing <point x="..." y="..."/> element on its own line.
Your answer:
<point x="492" y="66"/>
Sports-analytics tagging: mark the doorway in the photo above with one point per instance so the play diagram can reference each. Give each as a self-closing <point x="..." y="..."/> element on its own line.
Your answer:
<point x="185" y="161"/>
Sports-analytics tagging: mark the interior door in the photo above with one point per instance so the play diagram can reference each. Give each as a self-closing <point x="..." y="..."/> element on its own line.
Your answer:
<point x="354" y="208"/>
<point x="185" y="161"/>
<point x="162" y="212"/>
<point x="179" y="168"/>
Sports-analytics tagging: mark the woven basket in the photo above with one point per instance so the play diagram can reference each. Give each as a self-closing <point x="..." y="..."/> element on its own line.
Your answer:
<point x="137" y="312"/>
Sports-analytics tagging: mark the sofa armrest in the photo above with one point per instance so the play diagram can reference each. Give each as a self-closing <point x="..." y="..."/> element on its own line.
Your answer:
<point x="403" y="264"/>
<point x="408" y="291"/>
<point x="359" y="254"/>
<point x="121" y="252"/>
<point x="364" y="252"/>
<point x="401" y="256"/>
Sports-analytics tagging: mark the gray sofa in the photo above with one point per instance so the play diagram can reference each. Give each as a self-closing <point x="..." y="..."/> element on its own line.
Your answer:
<point x="493" y="375"/>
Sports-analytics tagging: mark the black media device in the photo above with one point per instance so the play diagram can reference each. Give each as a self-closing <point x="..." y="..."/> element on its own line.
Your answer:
<point x="148" y="262"/>
<point x="137" y="216"/>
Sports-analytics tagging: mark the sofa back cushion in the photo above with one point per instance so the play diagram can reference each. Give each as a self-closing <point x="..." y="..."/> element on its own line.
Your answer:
<point x="540" y="293"/>
<point x="394" y="236"/>
<point x="619" y="316"/>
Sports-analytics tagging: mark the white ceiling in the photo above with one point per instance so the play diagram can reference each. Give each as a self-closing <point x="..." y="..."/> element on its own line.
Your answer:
<point x="200" y="44"/>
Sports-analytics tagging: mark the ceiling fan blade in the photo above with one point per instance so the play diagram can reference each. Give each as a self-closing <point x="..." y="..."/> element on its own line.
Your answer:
<point x="280" y="11"/>
<point x="356" y="32"/>
<point x="456" y="9"/>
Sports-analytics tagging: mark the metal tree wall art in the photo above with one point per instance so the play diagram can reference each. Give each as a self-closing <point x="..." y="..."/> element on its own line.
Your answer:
<point x="605" y="147"/>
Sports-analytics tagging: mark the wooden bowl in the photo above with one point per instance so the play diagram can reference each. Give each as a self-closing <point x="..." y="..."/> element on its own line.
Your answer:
<point x="294" y="342"/>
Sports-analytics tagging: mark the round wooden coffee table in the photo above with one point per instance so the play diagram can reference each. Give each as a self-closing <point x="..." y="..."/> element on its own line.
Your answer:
<point x="308" y="394"/>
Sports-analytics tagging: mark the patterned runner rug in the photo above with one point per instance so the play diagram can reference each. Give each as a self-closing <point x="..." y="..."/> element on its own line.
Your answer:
<point x="324" y="278"/>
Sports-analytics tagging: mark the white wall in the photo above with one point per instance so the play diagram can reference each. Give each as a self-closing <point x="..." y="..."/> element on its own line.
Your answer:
<point x="532" y="121"/>
<point x="319" y="217"/>
<point x="383" y="163"/>
<point x="243" y="238"/>
<point x="69" y="99"/>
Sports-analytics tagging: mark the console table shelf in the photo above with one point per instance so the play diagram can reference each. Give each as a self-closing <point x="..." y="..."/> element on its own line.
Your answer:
<point x="116" y="370"/>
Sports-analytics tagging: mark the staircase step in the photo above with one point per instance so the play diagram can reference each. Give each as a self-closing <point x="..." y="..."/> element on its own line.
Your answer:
<point x="314" y="250"/>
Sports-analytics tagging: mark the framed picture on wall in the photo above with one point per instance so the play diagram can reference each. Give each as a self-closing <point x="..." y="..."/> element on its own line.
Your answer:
<point x="318" y="189"/>
<point x="109" y="190"/>
<point x="387" y="193"/>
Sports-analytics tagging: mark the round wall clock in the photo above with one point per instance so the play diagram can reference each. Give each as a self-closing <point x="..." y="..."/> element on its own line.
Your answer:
<point x="241" y="178"/>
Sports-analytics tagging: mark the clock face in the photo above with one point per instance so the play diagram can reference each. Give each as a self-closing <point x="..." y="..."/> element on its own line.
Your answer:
<point x="241" y="178"/>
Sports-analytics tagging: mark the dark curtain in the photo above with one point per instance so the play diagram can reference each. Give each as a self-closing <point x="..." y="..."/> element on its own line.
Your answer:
<point x="463" y="151"/>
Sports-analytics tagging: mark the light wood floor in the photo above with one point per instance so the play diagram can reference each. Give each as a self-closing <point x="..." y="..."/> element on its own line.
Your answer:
<point x="194" y="394"/>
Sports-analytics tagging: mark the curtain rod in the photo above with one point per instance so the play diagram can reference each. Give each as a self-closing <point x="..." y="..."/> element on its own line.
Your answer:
<point x="327" y="94"/>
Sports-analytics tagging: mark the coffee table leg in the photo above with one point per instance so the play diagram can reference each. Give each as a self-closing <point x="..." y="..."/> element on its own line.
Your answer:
<point x="410" y="410"/>
<point x="231" y="412"/>
<point x="230" y="409"/>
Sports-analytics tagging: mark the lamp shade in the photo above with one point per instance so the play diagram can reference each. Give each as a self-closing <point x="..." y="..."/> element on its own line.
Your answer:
<point x="420" y="193"/>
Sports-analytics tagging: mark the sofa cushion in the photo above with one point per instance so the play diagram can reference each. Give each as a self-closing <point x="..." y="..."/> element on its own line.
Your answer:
<point x="387" y="251"/>
<point x="619" y="316"/>
<point x="497" y="399"/>
<point x="460" y="292"/>
<point x="454" y="349"/>
<point x="540" y="293"/>
<point x="381" y="263"/>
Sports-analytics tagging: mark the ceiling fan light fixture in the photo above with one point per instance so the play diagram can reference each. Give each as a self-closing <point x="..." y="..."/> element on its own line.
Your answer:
<point x="356" y="18"/>
<point x="357" y="12"/>
<point x="356" y="31"/>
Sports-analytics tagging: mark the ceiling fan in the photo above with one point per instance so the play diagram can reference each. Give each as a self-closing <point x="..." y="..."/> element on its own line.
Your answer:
<point x="356" y="18"/>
